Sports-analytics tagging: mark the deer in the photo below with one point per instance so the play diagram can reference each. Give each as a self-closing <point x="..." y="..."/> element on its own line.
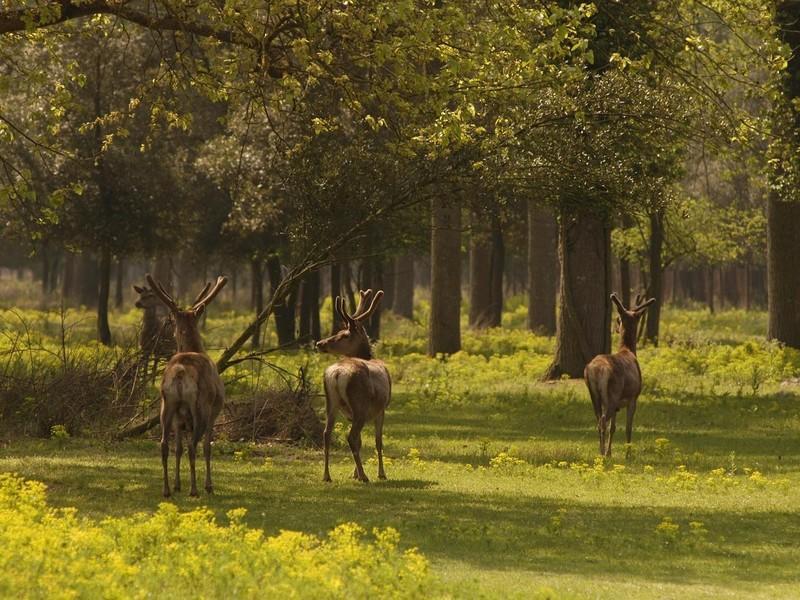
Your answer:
<point x="358" y="385"/>
<point x="157" y="338"/>
<point x="615" y="380"/>
<point x="192" y="392"/>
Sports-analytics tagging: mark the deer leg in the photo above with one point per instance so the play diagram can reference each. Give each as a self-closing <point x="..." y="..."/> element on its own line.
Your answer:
<point x="354" y="440"/>
<point x="611" y="431"/>
<point x="629" y="426"/>
<point x="330" y="421"/>
<point x="601" y="429"/>
<point x="166" y="425"/>
<point x="379" y="444"/>
<point x="178" y="453"/>
<point x="193" y="455"/>
<point x="207" y="454"/>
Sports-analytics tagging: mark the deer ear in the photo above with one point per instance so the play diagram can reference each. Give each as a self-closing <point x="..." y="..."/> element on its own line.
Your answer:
<point x="138" y="290"/>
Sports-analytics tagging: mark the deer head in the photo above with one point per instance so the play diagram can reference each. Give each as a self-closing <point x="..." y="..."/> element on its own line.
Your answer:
<point x="147" y="299"/>
<point x="353" y="339"/>
<point x="628" y="319"/>
<point x="187" y="333"/>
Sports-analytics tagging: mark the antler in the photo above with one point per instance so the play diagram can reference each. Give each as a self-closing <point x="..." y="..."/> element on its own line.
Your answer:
<point x="640" y="308"/>
<point x="162" y="294"/>
<point x="201" y="294"/>
<point x="618" y="302"/>
<point x="204" y="300"/>
<point x="338" y="304"/>
<point x="362" y="303"/>
<point x="360" y="316"/>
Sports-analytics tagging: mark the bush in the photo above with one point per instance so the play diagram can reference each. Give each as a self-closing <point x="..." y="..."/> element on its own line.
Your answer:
<point x="53" y="553"/>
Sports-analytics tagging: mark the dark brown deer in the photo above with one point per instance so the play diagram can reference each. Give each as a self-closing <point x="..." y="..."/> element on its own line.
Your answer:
<point x="615" y="380"/>
<point x="358" y="385"/>
<point x="192" y="392"/>
<point x="157" y="338"/>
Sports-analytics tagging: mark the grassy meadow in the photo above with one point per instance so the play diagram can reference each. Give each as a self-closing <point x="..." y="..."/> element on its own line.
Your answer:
<point x="493" y="475"/>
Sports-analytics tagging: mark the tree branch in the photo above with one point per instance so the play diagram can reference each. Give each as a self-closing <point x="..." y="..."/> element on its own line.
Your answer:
<point x="53" y="13"/>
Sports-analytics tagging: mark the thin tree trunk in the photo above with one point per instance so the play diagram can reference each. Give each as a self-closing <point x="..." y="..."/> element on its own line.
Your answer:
<point x="45" y="256"/>
<point x="88" y="280"/>
<point x="404" y="286"/>
<point x="445" y="319"/>
<point x="283" y="312"/>
<point x="119" y="296"/>
<point x="314" y="295"/>
<point x="103" y="329"/>
<point x="542" y="269"/>
<point x="480" y="279"/>
<point x="336" y="290"/>
<point x="583" y="326"/>
<point x="309" y="307"/>
<point x="498" y="262"/>
<point x="656" y="276"/>
<point x="68" y="280"/>
<point x="387" y="284"/>
<point x="257" y="293"/>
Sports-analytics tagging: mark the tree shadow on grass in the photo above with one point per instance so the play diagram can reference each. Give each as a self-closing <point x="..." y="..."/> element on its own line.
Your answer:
<point x="483" y="529"/>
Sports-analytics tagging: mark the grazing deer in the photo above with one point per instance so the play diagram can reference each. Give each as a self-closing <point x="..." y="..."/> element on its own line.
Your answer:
<point x="157" y="338"/>
<point x="192" y="392"/>
<point x="358" y="384"/>
<point x="615" y="380"/>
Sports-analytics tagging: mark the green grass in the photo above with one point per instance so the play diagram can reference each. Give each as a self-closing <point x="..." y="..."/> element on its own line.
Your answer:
<point x="494" y="476"/>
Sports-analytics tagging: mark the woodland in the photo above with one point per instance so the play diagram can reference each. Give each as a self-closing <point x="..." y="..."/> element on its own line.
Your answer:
<point x="461" y="225"/>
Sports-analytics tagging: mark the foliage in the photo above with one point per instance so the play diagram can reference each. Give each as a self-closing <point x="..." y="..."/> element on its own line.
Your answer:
<point x="55" y="553"/>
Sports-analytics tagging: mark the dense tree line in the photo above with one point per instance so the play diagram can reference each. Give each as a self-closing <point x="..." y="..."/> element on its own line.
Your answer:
<point x="559" y="148"/>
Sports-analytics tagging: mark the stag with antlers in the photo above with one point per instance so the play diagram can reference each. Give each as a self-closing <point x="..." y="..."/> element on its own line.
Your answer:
<point x="358" y="384"/>
<point x="192" y="392"/>
<point x="615" y="380"/>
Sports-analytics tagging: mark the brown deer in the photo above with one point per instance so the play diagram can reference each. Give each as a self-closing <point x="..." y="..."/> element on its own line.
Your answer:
<point x="358" y="384"/>
<point x="192" y="392"/>
<point x="615" y="380"/>
<point x="157" y="338"/>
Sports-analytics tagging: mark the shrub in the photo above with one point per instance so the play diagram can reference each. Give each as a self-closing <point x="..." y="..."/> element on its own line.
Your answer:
<point x="53" y="553"/>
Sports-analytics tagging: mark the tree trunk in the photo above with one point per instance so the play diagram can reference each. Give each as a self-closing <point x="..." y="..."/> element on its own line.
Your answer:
<point x="68" y="280"/>
<point x="372" y="279"/>
<point x="309" y="307"/>
<point x="119" y="289"/>
<point x="45" y="256"/>
<point x="625" y="280"/>
<point x="656" y="276"/>
<point x="284" y="312"/>
<point x="403" y="305"/>
<point x="710" y="288"/>
<point x="783" y="211"/>
<point x="445" y="319"/>
<point x="387" y="284"/>
<point x="542" y="269"/>
<point x="162" y="271"/>
<point x="498" y="265"/>
<point x="88" y="280"/>
<point x="257" y="293"/>
<point x="783" y="276"/>
<point x="103" y="329"/>
<point x="583" y="327"/>
<point x="480" y="278"/>
<point x="336" y="290"/>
